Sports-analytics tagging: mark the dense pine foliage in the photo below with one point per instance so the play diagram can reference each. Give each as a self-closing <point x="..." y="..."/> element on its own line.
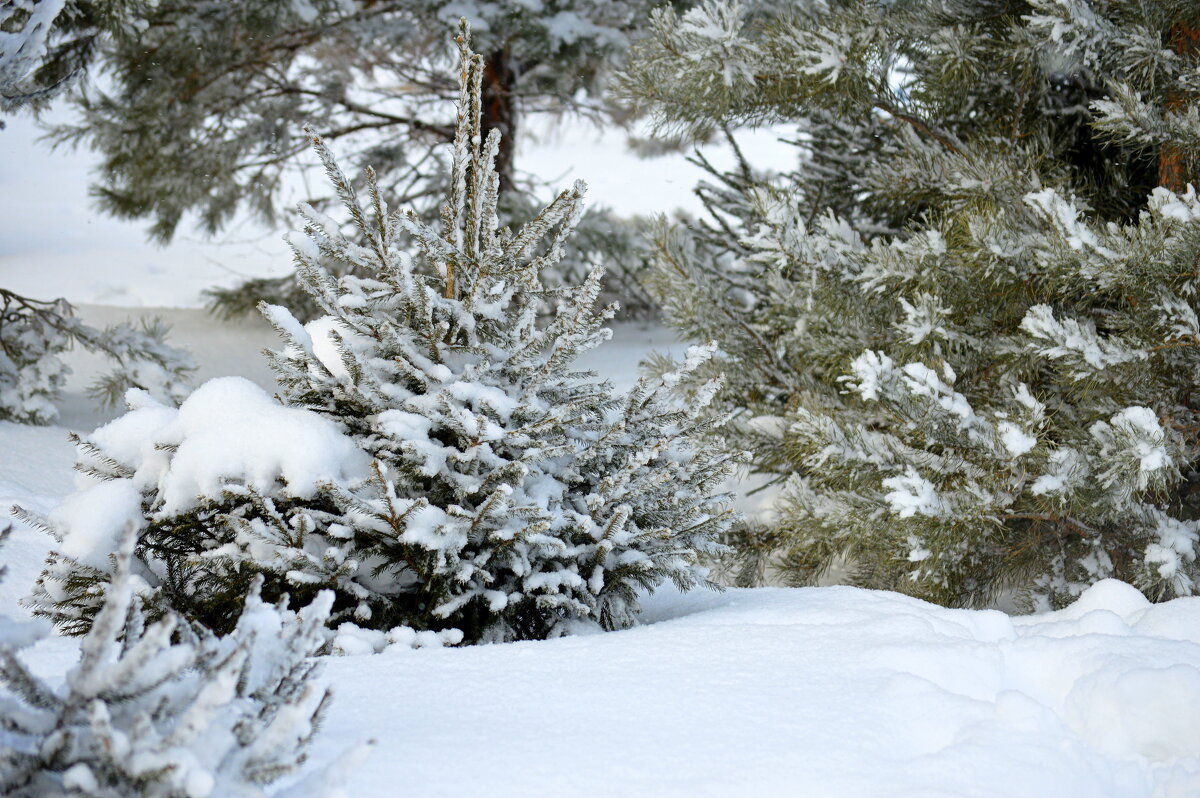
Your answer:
<point x="962" y="334"/>
<point x="199" y="116"/>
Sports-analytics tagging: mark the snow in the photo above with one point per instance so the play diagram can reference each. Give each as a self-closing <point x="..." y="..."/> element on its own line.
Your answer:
<point x="479" y="396"/>
<point x="282" y="318"/>
<point x="801" y="692"/>
<point x="21" y="51"/>
<point x="230" y="430"/>
<point x="922" y="318"/>
<point x="92" y="520"/>
<point x="1142" y="423"/>
<point x="221" y="348"/>
<point x="1015" y="439"/>
<point x="1140" y="710"/>
<point x="1066" y="217"/>
<point x="413" y="430"/>
<point x="1070" y="339"/>
<point x="1183" y="208"/>
<point x="771" y="426"/>
<point x="1176" y="543"/>
<point x="810" y="692"/>
<point x="1066" y="467"/>
<point x="35" y="472"/>
<point x="351" y="640"/>
<point x="320" y="334"/>
<point x="872" y="369"/>
<point x="912" y="494"/>
<point x="924" y="381"/>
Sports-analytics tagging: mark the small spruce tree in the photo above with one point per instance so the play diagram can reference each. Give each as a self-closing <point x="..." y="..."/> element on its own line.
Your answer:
<point x="496" y="490"/>
<point x="963" y="334"/>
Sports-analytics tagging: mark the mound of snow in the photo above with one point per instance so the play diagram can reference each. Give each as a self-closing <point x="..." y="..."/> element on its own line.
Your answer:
<point x="230" y="430"/>
<point x="812" y="692"/>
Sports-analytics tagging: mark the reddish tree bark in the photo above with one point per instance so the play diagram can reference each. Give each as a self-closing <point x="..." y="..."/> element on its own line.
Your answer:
<point x="499" y="110"/>
<point x="1174" y="171"/>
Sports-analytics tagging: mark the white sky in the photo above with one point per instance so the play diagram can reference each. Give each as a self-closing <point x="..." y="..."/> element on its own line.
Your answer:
<point x="53" y="242"/>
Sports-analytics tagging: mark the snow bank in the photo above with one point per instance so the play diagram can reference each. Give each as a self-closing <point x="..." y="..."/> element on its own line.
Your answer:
<point x="822" y="692"/>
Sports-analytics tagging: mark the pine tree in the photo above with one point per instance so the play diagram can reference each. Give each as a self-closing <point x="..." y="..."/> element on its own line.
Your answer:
<point x="34" y="332"/>
<point x="47" y="46"/>
<point x="438" y="464"/>
<point x="202" y="110"/>
<point x="962" y="334"/>
<point x="164" y="709"/>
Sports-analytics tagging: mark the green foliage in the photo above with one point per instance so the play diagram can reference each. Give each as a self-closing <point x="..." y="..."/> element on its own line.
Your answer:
<point x="201" y="110"/>
<point x="960" y="337"/>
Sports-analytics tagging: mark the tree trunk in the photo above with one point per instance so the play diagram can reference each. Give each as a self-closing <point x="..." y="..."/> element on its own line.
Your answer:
<point x="1174" y="171"/>
<point x="499" y="110"/>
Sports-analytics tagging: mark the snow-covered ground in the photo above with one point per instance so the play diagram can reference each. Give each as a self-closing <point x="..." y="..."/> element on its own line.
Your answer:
<point x="821" y="693"/>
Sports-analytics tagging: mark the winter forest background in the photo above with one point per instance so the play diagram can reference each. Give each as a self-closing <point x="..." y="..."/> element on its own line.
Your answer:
<point x="599" y="398"/>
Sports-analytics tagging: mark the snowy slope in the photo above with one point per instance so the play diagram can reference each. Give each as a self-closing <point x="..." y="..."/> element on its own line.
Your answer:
<point x="817" y="692"/>
<point x="805" y="692"/>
